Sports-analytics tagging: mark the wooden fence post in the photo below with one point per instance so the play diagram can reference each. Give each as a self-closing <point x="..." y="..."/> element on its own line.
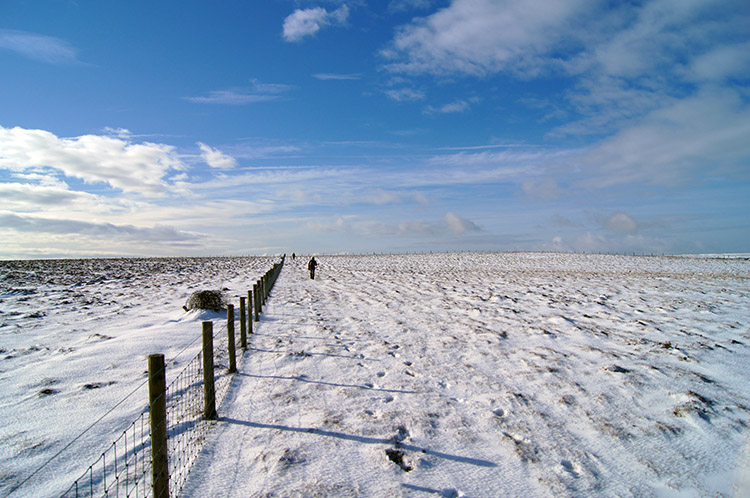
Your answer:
<point x="157" y="394"/>
<point x="230" y="339"/>
<point x="249" y="313"/>
<point x="264" y="285"/>
<point x="243" y="329"/>
<point x="209" y="393"/>
<point x="256" y="293"/>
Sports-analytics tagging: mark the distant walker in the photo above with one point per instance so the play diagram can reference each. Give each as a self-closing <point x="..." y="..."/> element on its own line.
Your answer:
<point x="311" y="266"/>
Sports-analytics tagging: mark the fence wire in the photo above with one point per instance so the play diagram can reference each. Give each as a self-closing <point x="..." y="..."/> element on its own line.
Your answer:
<point x="123" y="469"/>
<point x="186" y="428"/>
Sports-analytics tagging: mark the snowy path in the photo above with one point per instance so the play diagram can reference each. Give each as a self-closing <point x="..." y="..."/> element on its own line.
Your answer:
<point x="491" y="375"/>
<point x="319" y="400"/>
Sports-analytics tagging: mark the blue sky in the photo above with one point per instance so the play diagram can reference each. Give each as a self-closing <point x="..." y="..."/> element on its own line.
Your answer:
<point x="235" y="127"/>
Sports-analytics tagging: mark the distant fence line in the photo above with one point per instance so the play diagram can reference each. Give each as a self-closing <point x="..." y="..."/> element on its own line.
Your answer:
<point x="154" y="454"/>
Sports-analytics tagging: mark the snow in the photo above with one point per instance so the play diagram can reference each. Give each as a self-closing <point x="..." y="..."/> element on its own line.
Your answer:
<point x="471" y="374"/>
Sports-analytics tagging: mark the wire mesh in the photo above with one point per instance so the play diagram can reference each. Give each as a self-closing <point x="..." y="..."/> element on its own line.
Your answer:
<point x="123" y="469"/>
<point x="187" y="429"/>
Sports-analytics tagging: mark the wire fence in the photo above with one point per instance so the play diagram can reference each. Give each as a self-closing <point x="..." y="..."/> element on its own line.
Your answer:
<point x="187" y="428"/>
<point x="126" y="462"/>
<point x="126" y="468"/>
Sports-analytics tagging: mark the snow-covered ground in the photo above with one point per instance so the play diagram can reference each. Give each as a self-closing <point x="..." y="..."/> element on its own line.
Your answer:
<point x="419" y="375"/>
<point x="74" y="340"/>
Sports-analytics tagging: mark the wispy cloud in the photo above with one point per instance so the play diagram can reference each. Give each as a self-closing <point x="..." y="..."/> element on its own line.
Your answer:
<point x="625" y="61"/>
<point x="721" y="63"/>
<point x="256" y="92"/>
<point x="456" y="106"/>
<point x="541" y="188"/>
<point x="38" y="47"/>
<point x="20" y="197"/>
<point x="123" y="133"/>
<point x="82" y="228"/>
<point x="405" y="95"/>
<point x="450" y="224"/>
<point x="686" y="141"/>
<point x="406" y="5"/>
<point x="490" y="146"/>
<point x="232" y="97"/>
<point x="306" y="22"/>
<point x="332" y="76"/>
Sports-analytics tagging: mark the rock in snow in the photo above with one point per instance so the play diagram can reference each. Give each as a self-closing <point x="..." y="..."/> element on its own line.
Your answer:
<point x="213" y="300"/>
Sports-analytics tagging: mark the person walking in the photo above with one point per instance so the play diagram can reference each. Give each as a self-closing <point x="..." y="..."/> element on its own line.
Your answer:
<point x="311" y="266"/>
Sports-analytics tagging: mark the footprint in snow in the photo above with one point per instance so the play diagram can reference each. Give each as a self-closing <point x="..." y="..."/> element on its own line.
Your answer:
<point x="398" y="457"/>
<point x="616" y="369"/>
<point x="96" y="385"/>
<point x="572" y="468"/>
<point x="451" y="493"/>
<point x="401" y="434"/>
<point x="500" y="413"/>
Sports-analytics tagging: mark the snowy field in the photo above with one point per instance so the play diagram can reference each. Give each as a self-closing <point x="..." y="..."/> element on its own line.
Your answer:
<point x="74" y="340"/>
<point x="474" y="375"/>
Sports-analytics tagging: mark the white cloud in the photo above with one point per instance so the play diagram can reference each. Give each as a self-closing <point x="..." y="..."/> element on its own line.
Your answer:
<point x="721" y="63"/>
<point x="589" y="242"/>
<point x="459" y="225"/>
<point x="256" y="151"/>
<point x="421" y="198"/>
<point x="375" y="229"/>
<point x="484" y="36"/>
<point x="451" y="108"/>
<point x="307" y="22"/>
<point x="38" y="225"/>
<point x="405" y="95"/>
<point x="619" y="243"/>
<point x="627" y="59"/>
<point x="543" y="188"/>
<point x="510" y="158"/>
<point x="215" y="158"/>
<point x="123" y="133"/>
<point x="331" y="76"/>
<point x="621" y="223"/>
<point x="19" y="197"/>
<point x="639" y="58"/>
<point x="563" y="221"/>
<point x="381" y="197"/>
<point x="38" y="47"/>
<point x="657" y="37"/>
<point x="606" y="103"/>
<point x="232" y="97"/>
<point x="404" y="5"/>
<point x="529" y="36"/>
<point x="130" y="167"/>
<point x="685" y="141"/>
<point x="451" y="224"/>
